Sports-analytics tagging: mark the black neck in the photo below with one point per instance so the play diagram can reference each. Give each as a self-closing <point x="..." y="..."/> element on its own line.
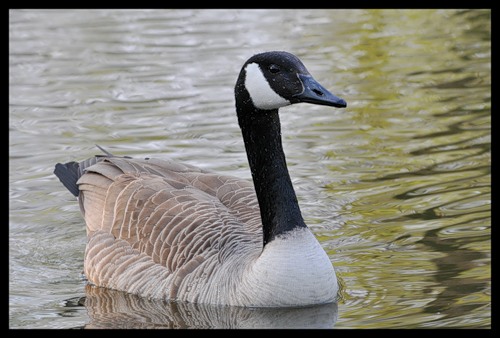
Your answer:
<point x="279" y="208"/>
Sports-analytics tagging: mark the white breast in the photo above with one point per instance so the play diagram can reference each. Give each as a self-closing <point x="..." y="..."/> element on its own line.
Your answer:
<point x="292" y="270"/>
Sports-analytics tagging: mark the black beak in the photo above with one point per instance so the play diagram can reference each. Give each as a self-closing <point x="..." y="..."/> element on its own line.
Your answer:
<point x="315" y="93"/>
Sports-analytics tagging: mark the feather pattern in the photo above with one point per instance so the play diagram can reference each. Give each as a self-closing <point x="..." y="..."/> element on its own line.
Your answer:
<point x="168" y="219"/>
<point x="163" y="229"/>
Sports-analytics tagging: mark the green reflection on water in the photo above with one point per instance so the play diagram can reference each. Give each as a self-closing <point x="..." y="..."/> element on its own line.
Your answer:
<point x="415" y="249"/>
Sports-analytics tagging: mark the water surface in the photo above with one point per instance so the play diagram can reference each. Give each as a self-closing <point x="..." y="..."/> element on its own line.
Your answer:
<point x="397" y="187"/>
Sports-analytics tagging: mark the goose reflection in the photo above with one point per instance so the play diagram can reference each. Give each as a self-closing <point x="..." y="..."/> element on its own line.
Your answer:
<point x="110" y="309"/>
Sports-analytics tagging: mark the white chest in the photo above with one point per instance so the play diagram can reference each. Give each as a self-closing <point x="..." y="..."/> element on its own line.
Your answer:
<point x="293" y="270"/>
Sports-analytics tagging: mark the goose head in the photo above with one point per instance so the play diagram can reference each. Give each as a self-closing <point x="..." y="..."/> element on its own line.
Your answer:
<point x="272" y="80"/>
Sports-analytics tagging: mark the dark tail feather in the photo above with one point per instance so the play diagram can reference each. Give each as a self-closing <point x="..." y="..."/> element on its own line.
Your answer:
<point x="68" y="174"/>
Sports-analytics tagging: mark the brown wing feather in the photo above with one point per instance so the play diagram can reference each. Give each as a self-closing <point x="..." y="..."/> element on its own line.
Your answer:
<point x="163" y="213"/>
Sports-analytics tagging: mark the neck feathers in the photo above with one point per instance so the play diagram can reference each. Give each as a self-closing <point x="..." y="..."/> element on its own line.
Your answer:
<point x="278" y="203"/>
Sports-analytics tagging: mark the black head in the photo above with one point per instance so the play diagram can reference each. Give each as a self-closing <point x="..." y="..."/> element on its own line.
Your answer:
<point x="277" y="79"/>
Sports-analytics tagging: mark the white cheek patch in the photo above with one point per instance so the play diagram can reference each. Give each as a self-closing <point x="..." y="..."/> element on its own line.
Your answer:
<point x="262" y="95"/>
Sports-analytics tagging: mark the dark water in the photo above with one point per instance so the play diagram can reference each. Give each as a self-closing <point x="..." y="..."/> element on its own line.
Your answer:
<point x="397" y="187"/>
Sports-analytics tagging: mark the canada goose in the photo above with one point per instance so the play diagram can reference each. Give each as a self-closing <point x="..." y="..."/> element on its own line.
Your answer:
<point x="161" y="229"/>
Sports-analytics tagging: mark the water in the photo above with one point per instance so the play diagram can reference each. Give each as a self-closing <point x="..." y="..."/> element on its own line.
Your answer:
<point x="397" y="187"/>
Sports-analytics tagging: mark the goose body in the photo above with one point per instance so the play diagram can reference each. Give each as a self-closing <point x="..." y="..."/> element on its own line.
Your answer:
<point x="162" y="229"/>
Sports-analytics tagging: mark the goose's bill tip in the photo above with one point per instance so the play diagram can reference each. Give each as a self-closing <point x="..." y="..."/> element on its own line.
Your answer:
<point x="340" y="103"/>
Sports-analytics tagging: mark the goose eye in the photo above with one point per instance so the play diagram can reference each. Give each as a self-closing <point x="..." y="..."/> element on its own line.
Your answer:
<point x="274" y="68"/>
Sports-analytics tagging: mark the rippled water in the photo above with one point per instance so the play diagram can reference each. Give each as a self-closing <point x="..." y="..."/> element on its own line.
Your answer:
<point x="396" y="187"/>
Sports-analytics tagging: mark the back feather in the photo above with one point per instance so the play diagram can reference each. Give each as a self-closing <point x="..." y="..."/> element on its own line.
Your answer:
<point x="142" y="213"/>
